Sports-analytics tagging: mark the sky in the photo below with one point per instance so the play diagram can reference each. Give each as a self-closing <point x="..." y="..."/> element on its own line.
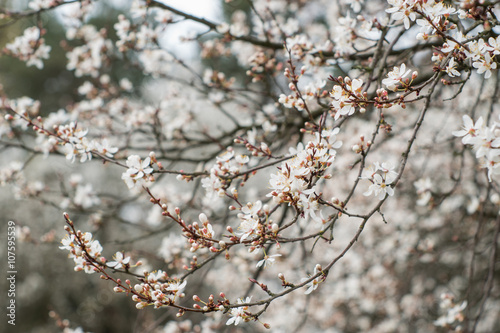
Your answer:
<point x="208" y="9"/>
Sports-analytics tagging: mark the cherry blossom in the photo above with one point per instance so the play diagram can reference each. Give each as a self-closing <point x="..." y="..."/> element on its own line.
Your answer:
<point x="30" y="47"/>
<point x="485" y="65"/>
<point x="313" y="285"/>
<point x="249" y="166"/>
<point x="454" y="312"/>
<point x="137" y="172"/>
<point x="239" y="314"/>
<point x="268" y="260"/>
<point x="395" y="77"/>
<point x="120" y="261"/>
<point x="470" y="130"/>
<point x="381" y="176"/>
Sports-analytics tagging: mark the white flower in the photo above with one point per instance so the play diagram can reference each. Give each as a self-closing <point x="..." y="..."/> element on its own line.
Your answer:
<point x="454" y="312"/>
<point x="423" y="187"/>
<point x="85" y="196"/>
<point x="451" y="70"/>
<point x="313" y="285"/>
<point x="238" y="314"/>
<point x="485" y="65"/>
<point x="252" y="210"/>
<point x="176" y="288"/>
<point x="268" y="260"/>
<point x="247" y="227"/>
<point x="105" y="148"/>
<point x="330" y="136"/>
<point x="469" y="131"/>
<point x="222" y="28"/>
<point x="242" y="159"/>
<point x="211" y="184"/>
<point x="30" y="47"/>
<point x="494" y="45"/>
<point x="402" y="10"/>
<point x="120" y="261"/>
<point x="343" y="99"/>
<point x="68" y="242"/>
<point x="137" y="170"/>
<point x="42" y="4"/>
<point x="381" y="177"/>
<point x="395" y="77"/>
<point x="95" y="249"/>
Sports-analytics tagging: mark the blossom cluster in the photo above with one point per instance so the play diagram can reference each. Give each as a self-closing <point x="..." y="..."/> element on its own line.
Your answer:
<point x="485" y="143"/>
<point x="292" y="183"/>
<point x="227" y="164"/>
<point x="42" y="4"/>
<point x="454" y="313"/>
<point x="30" y="47"/>
<point x="457" y="47"/>
<point x="200" y="236"/>
<point x="77" y="144"/>
<point x="87" y="59"/>
<point x="84" y="250"/>
<point x="347" y="95"/>
<point x="255" y="153"/>
<point x="158" y="289"/>
<point x="299" y="99"/>
<point x="250" y="224"/>
<point x="84" y="195"/>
